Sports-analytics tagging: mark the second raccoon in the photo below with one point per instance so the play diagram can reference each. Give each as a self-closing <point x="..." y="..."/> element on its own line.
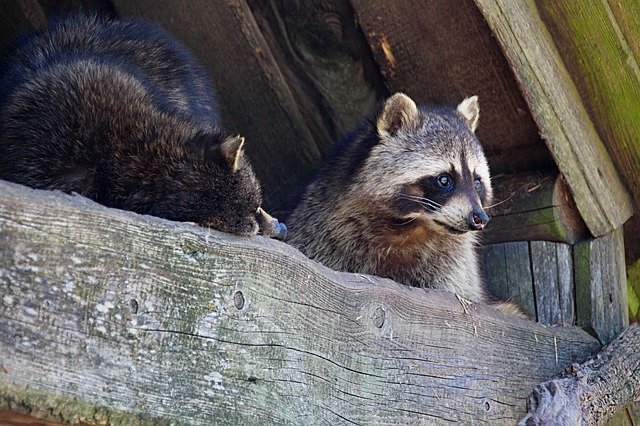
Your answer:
<point x="401" y="197"/>
<point x="119" y="111"/>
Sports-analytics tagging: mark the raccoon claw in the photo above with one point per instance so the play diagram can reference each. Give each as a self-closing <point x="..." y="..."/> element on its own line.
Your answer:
<point x="270" y="226"/>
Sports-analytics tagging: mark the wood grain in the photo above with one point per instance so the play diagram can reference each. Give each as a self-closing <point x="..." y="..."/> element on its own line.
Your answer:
<point x="564" y="124"/>
<point x="507" y="269"/>
<point x="596" y="391"/>
<point x="552" y="266"/>
<point x="108" y="316"/>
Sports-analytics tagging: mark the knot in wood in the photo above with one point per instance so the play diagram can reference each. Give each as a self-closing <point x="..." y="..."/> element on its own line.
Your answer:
<point x="133" y="305"/>
<point x="238" y="300"/>
<point x="378" y="317"/>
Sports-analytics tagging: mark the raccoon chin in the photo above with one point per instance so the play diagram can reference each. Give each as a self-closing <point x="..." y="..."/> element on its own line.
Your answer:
<point x="450" y="229"/>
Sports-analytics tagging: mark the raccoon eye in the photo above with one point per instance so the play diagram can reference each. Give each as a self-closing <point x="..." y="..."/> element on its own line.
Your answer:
<point x="444" y="182"/>
<point x="477" y="184"/>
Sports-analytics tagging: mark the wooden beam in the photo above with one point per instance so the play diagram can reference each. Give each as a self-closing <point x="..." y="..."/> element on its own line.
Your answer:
<point x="564" y="124"/>
<point x="601" y="286"/>
<point x="530" y="207"/>
<point x="109" y="316"/>
<point x="552" y="267"/>
<point x="595" y="39"/>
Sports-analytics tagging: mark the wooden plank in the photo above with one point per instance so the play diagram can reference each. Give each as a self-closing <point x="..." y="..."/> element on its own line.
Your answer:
<point x="107" y="316"/>
<point x="545" y="276"/>
<point x="507" y="269"/>
<point x="601" y="285"/>
<point x="443" y="51"/>
<point x="285" y="135"/>
<point x="557" y="108"/>
<point x="552" y="267"/>
<point x="533" y="207"/>
<point x="607" y="76"/>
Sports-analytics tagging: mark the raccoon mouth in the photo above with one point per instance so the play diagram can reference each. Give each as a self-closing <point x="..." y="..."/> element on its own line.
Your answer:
<point x="451" y="229"/>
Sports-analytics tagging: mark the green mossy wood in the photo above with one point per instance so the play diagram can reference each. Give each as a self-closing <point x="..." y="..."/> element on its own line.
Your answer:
<point x="564" y="123"/>
<point x="151" y="320"/>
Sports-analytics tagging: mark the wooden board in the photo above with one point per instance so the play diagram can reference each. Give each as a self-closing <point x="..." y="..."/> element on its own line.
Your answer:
<point x="507" y="270"/>
<point x="538" y="275"/>
<point x="602" y="57"/>
<point x="552" y="266"/>
<point x="443" y="51"/>
<point x="108" y="316"/>
<point x="564" y="124"/>
<point x="601" y="285"/>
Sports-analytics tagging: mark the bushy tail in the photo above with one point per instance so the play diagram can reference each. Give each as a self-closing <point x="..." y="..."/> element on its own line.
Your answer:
<point x="510" y="308"/>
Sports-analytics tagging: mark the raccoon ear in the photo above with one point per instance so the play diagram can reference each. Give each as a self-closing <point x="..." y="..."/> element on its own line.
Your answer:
<point x="399" y="112"/>
<point x="232" y="149"/>
<point x="469" y="112"/>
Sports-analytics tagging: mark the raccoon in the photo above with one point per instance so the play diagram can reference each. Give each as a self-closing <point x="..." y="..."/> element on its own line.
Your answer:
<point x="120" y="112"/>
<point x="402" y="197"/>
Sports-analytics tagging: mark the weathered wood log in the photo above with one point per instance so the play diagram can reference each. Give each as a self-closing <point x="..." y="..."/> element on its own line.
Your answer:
<point x="601" y="285"/>
<point x="602" y="199"/>
<point x="595" y="390"/>
<point x="595" y="40"/>
<point x="108" y="316"/>
<point x="533" y="207"/>
<point x="442" y="51"/>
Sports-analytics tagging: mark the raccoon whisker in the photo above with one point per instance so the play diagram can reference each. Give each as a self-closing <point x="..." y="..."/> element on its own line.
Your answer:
<point x="407" y="222"/>
<point x="423" y="202"/>
<point x="413" y="197"/>
<point x="500" y="202"/>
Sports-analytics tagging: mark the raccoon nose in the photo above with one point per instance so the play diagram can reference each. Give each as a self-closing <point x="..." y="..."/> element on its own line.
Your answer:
<point x="478" y="219"/>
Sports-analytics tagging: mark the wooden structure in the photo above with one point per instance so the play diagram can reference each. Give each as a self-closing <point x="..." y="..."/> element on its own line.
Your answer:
<point x="559" y="87"/>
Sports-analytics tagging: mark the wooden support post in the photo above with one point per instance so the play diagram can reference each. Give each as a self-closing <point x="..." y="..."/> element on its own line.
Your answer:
<point x="600" y="195"/>
<point x="534" y="207"/>
<point x="601" y="286"/>
<point x="552" y="266"/>
<point x="112" y="317"/>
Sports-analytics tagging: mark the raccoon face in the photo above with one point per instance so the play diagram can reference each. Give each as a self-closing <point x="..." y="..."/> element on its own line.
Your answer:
<point x="213" y="186"/>
<point x="434" y="170"/>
